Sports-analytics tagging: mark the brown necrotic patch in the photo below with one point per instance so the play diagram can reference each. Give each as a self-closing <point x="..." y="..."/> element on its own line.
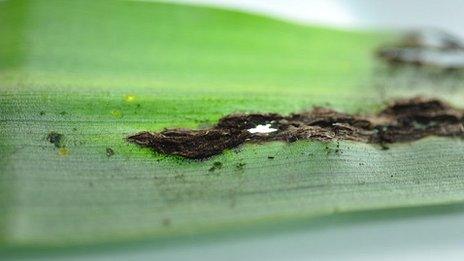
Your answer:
<point x="401" y="121"/>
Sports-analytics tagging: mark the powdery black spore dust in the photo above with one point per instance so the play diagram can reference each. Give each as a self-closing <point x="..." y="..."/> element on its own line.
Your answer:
<point x="401" y="121"/>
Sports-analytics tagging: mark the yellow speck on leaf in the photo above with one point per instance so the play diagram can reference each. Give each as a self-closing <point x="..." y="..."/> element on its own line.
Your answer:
<point x="116" y="113"/>
<point x="63" y="151"/>
<point x="129" y="98"/>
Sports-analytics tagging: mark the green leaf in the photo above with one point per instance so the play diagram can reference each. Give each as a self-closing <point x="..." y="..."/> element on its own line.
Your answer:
<point x="96" y="71"/>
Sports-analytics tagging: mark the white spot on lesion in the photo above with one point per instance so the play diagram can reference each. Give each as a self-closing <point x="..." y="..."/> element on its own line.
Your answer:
<point x="262" y="129"/>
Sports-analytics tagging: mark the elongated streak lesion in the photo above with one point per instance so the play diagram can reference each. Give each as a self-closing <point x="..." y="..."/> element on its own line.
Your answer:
<point x="401" y="121"/>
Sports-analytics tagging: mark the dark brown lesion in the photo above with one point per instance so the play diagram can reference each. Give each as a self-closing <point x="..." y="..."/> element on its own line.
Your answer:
<point x="404" y="120"/>
<point x="192" y="143"/>
<point x="410" y="120"/>
<point x="425" y="49"/>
